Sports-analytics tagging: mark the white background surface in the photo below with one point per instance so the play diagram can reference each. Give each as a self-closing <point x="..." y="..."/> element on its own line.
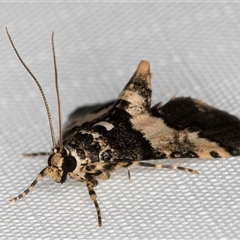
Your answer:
<point x="194" y="50"/>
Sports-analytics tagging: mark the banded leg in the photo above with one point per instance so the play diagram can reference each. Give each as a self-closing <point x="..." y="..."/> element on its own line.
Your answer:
<point x="93" y="196"/>
<point x="175" y="167"/>
<point x="30" y="188"/>
<point x="36" y="154"/>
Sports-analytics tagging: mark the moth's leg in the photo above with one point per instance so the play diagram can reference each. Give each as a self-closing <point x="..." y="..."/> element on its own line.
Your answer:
<point x="129" y="173"/>
<point x="128" y="165"/>
<point x="93" y="196"/>
<point x="37" y="154"/>
<point x="175" y="167"/>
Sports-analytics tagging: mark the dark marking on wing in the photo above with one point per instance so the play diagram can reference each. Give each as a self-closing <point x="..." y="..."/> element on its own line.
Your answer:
<point x="210" y="123"/>
<point x="188" y="154"/>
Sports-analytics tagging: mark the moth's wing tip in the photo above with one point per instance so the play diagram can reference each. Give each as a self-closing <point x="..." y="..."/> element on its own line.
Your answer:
<point x="143" y="67"/>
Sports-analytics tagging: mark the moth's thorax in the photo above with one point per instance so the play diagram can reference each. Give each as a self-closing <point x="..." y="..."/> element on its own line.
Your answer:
<point x="90" y="146"/>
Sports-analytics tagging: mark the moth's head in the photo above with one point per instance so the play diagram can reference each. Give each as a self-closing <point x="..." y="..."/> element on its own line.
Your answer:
<point x="60" y="163"/>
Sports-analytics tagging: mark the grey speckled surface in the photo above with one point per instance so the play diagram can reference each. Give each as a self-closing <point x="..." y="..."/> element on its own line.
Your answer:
<point x="194" y="50"/>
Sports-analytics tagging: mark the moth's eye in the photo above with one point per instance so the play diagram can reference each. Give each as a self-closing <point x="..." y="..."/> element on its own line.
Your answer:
<point x="69" y="164"/>
<point x="50" y="160"/>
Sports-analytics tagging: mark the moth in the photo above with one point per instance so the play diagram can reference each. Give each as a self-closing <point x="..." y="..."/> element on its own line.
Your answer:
<point x="129" y="131"/>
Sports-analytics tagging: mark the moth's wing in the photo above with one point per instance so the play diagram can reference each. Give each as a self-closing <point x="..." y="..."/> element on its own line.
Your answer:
<point x="134" y="99"/>
<point x="186" y="127"/>
<point x="86" y="114"/>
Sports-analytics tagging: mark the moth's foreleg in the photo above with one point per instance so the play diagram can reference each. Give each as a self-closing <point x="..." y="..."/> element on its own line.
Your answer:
<point x="175" y="167"/>
<point x="37" y="154"/>
<point x="93" y="196"/>
<point x="30" y="188"/>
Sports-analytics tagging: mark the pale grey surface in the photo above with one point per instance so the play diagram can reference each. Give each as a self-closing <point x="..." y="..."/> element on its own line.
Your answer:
<point x="194" y="50"/>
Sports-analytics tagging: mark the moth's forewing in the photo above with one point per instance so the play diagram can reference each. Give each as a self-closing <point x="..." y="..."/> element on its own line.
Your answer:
<point x="86" y="114"/>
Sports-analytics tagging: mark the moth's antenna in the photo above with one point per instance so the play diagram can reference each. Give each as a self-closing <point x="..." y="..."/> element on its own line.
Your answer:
<point x="58" y="95"/>
<point x="40" y="88"/>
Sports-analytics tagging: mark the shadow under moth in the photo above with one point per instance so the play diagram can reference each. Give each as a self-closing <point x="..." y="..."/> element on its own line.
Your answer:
<point x="129" y="131"/>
